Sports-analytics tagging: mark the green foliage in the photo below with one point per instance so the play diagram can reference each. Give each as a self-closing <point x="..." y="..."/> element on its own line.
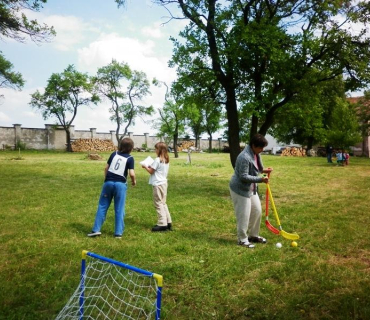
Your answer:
<point x="120" y="3"/>
<point x="20" y="145"/>
<point x="64" y="94"/>
<point x="124" y="88"/>
<point x="319" y="115"/>
<point x="16" y="25"/>
<point x="200" y="95"/>
<point x="265" y="53"/>
<point x="171" y="122"/>
<point x="344" y="126"/>
<point x="8" y="77"/>
<point x="48" y="206"/>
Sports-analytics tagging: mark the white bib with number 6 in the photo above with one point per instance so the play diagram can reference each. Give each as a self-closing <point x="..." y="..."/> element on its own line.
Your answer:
<point x="118" y="165"/>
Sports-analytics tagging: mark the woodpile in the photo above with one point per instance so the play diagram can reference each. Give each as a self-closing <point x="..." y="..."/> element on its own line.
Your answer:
<point x="294" y="152"/>
<point x="94" y="156"/>
<point x="82" y="145"/>
<point x="185" y="146"/>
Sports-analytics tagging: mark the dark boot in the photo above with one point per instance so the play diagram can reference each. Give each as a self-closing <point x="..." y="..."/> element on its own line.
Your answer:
<point x="169" y="226"/>
<point x="159" y="228"/>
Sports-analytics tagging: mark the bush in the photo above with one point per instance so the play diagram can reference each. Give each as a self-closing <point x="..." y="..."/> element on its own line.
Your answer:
<point x="20" y="145"/>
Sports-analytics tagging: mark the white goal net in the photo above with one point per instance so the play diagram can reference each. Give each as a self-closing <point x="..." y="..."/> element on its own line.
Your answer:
<point x="109" y="289"/>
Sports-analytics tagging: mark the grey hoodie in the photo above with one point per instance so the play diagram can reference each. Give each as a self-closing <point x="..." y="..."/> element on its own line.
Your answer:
<point x="246" y="173"/>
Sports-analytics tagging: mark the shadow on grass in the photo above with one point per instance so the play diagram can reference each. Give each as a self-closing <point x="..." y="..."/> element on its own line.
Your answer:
<point x="80" y="228"/>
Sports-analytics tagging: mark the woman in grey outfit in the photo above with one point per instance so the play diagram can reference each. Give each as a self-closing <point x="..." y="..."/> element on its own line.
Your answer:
<point x="243" y="191"/>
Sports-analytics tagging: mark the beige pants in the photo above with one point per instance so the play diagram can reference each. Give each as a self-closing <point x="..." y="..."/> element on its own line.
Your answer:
<point x="159" y="198"/>
<point x="248" y="213"/>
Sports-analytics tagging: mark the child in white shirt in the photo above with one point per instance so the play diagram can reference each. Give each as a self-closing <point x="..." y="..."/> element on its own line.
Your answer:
<point x="158" y="179"/>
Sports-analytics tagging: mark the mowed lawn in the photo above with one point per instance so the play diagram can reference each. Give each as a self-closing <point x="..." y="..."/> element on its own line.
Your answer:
<point x="48" y="202"/>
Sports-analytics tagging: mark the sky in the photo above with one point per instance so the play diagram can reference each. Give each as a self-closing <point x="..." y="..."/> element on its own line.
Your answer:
<point x="90" y="33"/>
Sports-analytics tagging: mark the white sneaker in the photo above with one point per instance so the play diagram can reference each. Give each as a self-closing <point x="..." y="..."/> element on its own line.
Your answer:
<point x="246" y="244"/>
<point x="94" y="234"/>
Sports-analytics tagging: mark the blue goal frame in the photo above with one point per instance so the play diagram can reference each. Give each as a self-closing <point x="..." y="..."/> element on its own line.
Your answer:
<point x="158" y="278"/>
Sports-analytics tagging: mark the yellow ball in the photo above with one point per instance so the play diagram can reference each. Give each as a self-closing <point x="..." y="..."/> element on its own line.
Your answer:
<point x="294" y="244"/>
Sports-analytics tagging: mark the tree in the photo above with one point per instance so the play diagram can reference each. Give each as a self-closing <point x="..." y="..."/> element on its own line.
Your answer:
<point x="321" y="115"/>
<point x="8" y="77"/>
<point x="306" y="119"/>
<point x="63" y="95"/>
<point x="344" y="127"/>
<point x="109" y="83"/>
<point x="202" y="99"/>
<point x="14" y="24"/>
<point x="172" y="117"/>
<point x="195" y="121"/>
<point x="264" y="52"/>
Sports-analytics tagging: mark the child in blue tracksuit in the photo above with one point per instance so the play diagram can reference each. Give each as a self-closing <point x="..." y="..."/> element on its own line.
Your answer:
<point x="340" y="158"/>
<point x="119" y="165"/>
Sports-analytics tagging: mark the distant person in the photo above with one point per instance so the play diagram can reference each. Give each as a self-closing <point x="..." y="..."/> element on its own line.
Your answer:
<point x="119" y="165"/>
<point x="158" y="171"/>
<point x="329" y="153"/>
<point x="339" y="156"/>
<point x="346" y="158"/>
<point x="243" y="191"/>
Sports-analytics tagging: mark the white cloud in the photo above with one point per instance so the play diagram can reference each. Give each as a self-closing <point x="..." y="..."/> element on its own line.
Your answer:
<point x="139" y="56"/>
<point x="153" y="31"/>
<point x="15" y="108"/>
<point x="70" y="31"/>
<point x="142" y="43"/>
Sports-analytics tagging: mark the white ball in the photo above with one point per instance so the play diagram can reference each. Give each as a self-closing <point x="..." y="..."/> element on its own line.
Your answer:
<point x="279" y="245"/>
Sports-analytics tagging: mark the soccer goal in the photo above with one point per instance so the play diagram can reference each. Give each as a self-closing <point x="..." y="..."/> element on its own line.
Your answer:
<point x="110" y="289"/>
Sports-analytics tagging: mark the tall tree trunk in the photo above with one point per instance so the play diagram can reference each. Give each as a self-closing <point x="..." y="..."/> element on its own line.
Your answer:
<point x="364" y="146"/>
<point x="210" y="143"/>
<point x="175" y="137"/>
<point x="254" y="127"/>
<point x="232" y="124"/>
<point x="68" y="135"/>
<point x="310" y="143"/>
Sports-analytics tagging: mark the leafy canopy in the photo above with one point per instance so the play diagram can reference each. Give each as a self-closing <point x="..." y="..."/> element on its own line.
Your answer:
<point x="124" y="89"/>
<point x="265" y="53"/>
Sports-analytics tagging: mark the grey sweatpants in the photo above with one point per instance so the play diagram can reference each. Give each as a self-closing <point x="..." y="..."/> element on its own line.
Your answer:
<point x="248" y="213"/>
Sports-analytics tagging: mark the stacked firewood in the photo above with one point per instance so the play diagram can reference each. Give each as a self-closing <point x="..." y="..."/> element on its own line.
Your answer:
<point x="82" y="145"/>
<point x="294" y="152"/>
<point x="185" y="146"/>
<point x="94" y="156"/>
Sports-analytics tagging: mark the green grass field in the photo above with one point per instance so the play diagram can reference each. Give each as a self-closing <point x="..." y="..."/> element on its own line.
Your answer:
<point x="48" y="204"/>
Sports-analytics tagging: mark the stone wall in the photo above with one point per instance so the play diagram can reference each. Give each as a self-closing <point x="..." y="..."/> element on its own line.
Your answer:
<point x="53" y="137"/>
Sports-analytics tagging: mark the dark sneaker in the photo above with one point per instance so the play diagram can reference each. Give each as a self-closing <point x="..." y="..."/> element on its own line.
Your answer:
<point x="246" y="244"/>
<point x="159" y="228"/>
<point x="118" y="236"/>
<point x="257" y="239"/>
<point x="94" y="234"/>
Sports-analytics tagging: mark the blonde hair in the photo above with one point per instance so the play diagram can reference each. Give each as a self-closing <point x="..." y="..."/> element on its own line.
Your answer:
<point x="162" y="153"/>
